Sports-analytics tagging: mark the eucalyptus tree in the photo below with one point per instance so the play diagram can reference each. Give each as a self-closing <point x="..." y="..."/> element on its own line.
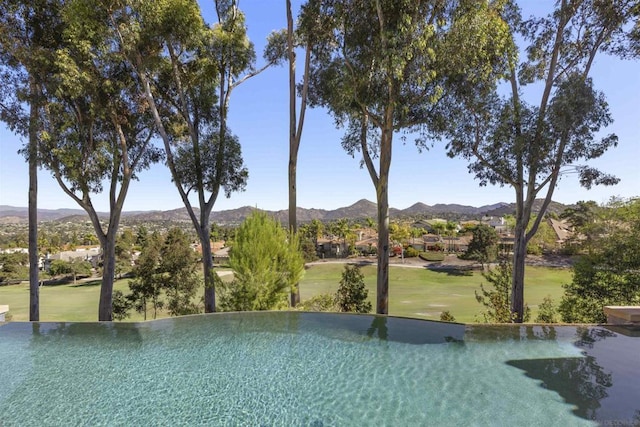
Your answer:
<point x="188" y="71"/>
<point x="29" y="33"/>
<point x="377" y="67"/>
<point x="530" y="146"/>
<point x="296" y="123"/>
<point x="97" y="132"/>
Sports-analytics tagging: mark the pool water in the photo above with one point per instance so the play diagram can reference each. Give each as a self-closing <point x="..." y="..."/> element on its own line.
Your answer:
<point x="315" y="369"/>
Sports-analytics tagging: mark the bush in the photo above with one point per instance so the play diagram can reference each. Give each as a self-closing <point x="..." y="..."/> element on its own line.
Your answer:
<point x="497" y="301"/>
<point x="546" y="311"/>
<point x="352" y="294"/>
<point x="432" y="256"/>
<point x="446" y="316"/>
<point x="308" y="249"/>
<point x="120" y="305"/>
<point x="411" y="252"/>
<point x="322" y="302"/>
<point x="534" y="249"/>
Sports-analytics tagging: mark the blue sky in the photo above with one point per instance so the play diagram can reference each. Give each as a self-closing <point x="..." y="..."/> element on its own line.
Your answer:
<point x="328" y="178"/>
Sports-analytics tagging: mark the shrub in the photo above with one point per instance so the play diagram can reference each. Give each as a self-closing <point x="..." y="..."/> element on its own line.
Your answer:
<point x="120" y="305"/>
<point x="534" y="249"/>
<point x="446" y="316"/>
<point x="432" y="256"/>
<point x="547" y="312"/>
<point x="498" y="300"/>
<point x="352" y="294"/>
<point x="322" y="302"/>
<point x="411" y="252"/>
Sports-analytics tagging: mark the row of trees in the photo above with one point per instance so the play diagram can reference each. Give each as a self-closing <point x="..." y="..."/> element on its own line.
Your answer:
<point x="606" y="271"/>
<point x="434" y="69"/>
<point x="266" y="261"/>
<point x="92" y="83"/>
<point x="165" y="278"/>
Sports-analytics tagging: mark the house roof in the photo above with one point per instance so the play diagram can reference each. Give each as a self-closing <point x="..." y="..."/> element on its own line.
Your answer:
<point x="431" y="238"/>
<point x="373" y="241"/>
<point x="224" y="252"/>
<point x="561" y="228"/>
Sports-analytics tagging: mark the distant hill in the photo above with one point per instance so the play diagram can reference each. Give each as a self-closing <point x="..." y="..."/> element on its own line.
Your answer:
<point x="510" y="208"/>
<point x="361" y="209"/>
<point x="19" y="214"/>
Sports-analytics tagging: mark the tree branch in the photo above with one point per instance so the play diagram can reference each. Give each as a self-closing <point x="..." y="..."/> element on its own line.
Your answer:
<point x="365" y="151"/>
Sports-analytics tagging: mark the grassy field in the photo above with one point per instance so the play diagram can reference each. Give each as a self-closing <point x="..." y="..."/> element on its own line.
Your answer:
<point x="67" y="302"/>
<point x="422" y="293"/>
<point x="413" y="292"/>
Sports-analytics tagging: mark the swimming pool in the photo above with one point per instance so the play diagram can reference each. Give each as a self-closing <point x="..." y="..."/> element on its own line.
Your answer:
<point x="315" y="369"/>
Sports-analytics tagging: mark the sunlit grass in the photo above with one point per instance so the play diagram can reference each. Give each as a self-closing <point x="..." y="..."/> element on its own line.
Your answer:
<point x="413" y="292"/>
<point x="422" y="293"/>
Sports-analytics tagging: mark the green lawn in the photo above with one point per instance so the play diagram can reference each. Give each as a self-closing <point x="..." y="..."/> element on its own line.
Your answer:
<point x="66" y="302"/>
<point x="413" y="292"/>
<point x="425" y="293"/>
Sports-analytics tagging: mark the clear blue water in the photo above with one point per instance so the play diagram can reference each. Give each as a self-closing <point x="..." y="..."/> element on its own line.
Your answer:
<point x="308" y="369"/>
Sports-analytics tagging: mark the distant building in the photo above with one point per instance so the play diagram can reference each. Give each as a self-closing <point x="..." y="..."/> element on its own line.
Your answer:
<point x="498" y="224"/>
<point x="331" y="248"/>
<point x="14" y="251"/>
<point x="93" y="255"/>
<point x="368" y="245"/>
<point x="562" y="230"/>
<point x="221" y="256"/>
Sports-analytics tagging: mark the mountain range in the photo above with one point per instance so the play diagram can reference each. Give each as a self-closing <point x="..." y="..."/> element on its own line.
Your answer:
<point x="361" y="209"/>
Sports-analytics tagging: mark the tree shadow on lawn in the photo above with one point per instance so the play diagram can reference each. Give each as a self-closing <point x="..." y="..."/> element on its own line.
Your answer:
<point x="64" y="281"/>
<point x="96" y="282"/>
<point x="451" y="270"/>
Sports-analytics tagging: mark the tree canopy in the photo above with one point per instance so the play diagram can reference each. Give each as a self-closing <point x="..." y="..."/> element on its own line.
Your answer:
<point x="529" y="146"/>
<point x="379" y="68"/>
<point x="608" y="272"/>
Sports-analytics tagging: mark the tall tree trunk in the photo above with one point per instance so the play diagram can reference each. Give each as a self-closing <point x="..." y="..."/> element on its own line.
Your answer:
<point x="34" y="290"/>
<point x="517" y="283"/>
<point x="294" y="138"/>
<point x="382" y="194"/>
<point x="105" y="309"/>
<point x="382" y="306"/>
<point x="207" y="266"/>
<point x="293" y="221"/>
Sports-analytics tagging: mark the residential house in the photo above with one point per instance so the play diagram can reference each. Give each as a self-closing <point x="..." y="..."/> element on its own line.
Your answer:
<point x="221" y="256"/>
<point x="433" y="242"/>
<point x="93" y="255"/>
<point x="506" y="243"/>
<point x="366" y="246"/>
<point x="498" y="224"/>
<point x="456" y="243"/>
<point x="14" y="251"/>
<point x="417" y="243"/>
<point x="215" y="247"/>
<point x="332" y="248"/>
<point x="562" y="230"/>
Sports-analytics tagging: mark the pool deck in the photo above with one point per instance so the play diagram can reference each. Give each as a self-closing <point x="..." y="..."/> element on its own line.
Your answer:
<point x="4" y="309"/>
<point x="622" y="315"/>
